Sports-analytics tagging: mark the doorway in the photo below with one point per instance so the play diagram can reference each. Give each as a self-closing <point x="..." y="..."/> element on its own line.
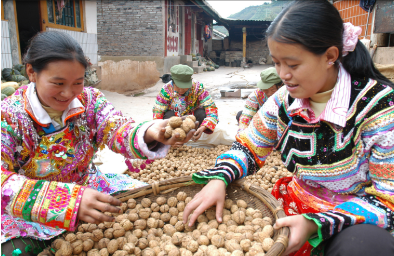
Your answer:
<point x="28" y="15"/>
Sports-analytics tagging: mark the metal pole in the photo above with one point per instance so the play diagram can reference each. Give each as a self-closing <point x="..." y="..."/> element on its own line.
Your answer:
<point x="244" y="44"/>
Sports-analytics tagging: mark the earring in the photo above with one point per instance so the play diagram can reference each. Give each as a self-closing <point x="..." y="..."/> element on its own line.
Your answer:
<point x="330" y="63"/>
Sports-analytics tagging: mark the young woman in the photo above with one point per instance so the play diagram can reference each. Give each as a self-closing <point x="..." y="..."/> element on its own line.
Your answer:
<point x="50" y="131"/>
<point x="184" y="96"/>
<point x="335" y="124"/>
<point x="270" y="82"/>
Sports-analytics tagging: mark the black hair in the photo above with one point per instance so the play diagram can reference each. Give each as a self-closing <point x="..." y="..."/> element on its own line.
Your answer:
<point x="317" y="25"/>
<point x="46" y="47"/>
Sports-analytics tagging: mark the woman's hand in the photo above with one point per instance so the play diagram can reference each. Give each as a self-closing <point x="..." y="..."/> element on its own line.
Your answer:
<point x="300" y="231"/>
<point x="157" y="130"/>
<point x="198" y="133"/>
<point x="94" y="204"/>
<point x="212" y="194"/>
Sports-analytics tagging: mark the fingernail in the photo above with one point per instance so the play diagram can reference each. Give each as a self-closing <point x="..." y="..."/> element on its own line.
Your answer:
<point x="220" y="219"/>
<point x="190" y="224"/>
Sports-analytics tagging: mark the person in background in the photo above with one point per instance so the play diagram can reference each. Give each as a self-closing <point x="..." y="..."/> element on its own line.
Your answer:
<point x="335" y="123"/>
<point x="184" y="96"/>
<point x="270" y="82"/>
<point x="50" y="132"/>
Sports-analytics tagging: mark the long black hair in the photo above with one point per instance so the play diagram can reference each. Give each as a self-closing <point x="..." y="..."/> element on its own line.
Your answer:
<point x="317" y="25"/>
<point x="46" y="47"/>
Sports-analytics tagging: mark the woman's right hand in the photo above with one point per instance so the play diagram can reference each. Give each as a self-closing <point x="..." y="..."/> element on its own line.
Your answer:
<point x="213" y="193"/>
<point x="94" y="204"/>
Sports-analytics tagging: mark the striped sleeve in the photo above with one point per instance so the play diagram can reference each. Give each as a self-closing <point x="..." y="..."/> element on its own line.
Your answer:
<point x="252" y="147"/>
<point x="205" y="101"/>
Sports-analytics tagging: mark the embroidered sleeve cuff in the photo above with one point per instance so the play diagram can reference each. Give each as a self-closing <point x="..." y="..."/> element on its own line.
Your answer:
<point x="210" y="126"/>
<point x="203" y="177"/>
<point x="315" y="240"/>
<point x="159" y="151"/>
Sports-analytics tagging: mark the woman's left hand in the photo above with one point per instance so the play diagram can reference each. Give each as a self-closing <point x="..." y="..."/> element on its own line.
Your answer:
<point x="157" y="130"/>
<point x="198" y="133"/>
<point x="300" y="231"/>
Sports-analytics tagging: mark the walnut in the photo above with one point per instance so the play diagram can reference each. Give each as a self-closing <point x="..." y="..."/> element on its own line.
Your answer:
<point x="132" y="217"/>
<point x="217" y="241"/>
<point x="177" y="238"/>
<point x="155" y="207"/>
<point x="129" y="248"/>
<point x="140" y="224"/>
<point x="174" y="211"/>
<point x="226" y="218"/>
<point x="161" y="200"/>
<point x="132" y="239"/>
<point x="202" y="218"/>
<point x="93" y="252"/>
<point x="269" y="230"/>
<point x="175" y="122"/>
<point x="153" y="244"/>
<point x="228" y="203"/>
<point x="144" y="213"/>
<point x="245" y="245"/>
<point x="169" y="229"/>
<point x="179" y="226"/>
<point x="232" y="245"/>
<point x="137" y="233"/>
<point x="142" y="243"/>
<point x="260" y="236"/>
<point x="118" y="231"/>
<point x="103" y="243"/>
<point x="211" y="214"/>
<point x="242" y="204"/>
<point x="146" y="202"/>
<point x="155" y="215"/>
<point x="87" y="236"/>
<point x="203" y="240"/>
<point x="152" y="223"/>
<point x="239" y="217"/>
<point x="113" y="246"/>
<point x="104" y="252"/>
<point x="267" y="221"/>
<point x="172" y="201"/>
<point x="205" y="228"/>
<point x="181" y="196"/>
<point x="165" y="217"/>
<point x="257" y="215"/>
<point x="196" y="234"/>
<point x="213" y="224"/>
<point x="186" y="240"/>
<point x="238" y="237"/>
<point x="71" y="237"/>
<point x="164" y="208"/>
<point x="174" y="252"/>
<point x="222" y="227"/>
<point x="180" y="206"/>
<point x="267" y="244"/>
<point x="188" y="125"/>
<point x="121" y="242"/>
<point x="168" y="132"/>
<point x="77" y="246"/>
<point x="192" y="246"/>
<point x="96" y="235"/>
<point x="234" y="208"/>
<point x="161" y="223"/>
<point x="126" y="224"/>
<point x="211" y="233"/>
<point x="188" y="199"/>
<point x="249" y="212"/>
<point x="131" y="203"/>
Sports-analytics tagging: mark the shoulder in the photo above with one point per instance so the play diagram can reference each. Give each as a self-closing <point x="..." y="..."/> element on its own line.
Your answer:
<point x="14" y="102"/>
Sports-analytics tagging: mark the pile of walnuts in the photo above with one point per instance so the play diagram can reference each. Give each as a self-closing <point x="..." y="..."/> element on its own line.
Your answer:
<point x="186" y="160"/>
<point x="179" y="126"/>
<point x="156" y="229"/>
<point x="270" y="173"/>
<point x="179" y="162"/>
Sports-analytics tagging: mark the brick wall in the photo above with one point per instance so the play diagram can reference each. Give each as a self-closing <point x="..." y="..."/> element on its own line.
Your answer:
<point x="351" y="12"/>
<point x="130" y="28"/>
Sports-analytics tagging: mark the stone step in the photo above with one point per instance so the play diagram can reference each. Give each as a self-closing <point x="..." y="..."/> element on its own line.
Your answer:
<point x="198" y="69"/>
<point x="186" y="58"/>
<point x="192" y="64"/>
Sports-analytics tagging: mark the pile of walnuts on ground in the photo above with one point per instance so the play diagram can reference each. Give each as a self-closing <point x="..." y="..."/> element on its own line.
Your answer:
<point x="156" y="229"/>
<point x="182" y="161"/>
<point x="270" y="173"/>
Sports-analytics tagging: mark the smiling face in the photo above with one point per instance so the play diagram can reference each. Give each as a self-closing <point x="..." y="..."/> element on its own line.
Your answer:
<point x="59" y="83"/>
<point x="304" y="73"/>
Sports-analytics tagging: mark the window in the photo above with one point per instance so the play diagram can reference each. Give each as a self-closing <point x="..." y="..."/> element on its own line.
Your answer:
<point x="64" y="14"/>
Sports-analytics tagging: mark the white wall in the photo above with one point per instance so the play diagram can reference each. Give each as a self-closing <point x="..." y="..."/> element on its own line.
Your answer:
<point x="90" y="16"/>
<point x="6" y="58"/>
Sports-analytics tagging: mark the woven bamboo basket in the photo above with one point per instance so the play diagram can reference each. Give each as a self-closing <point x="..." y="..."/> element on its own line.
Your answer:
<point x="255" y="197"/>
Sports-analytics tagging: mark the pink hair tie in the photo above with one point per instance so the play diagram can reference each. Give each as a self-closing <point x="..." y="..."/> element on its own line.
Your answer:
<point x="350" y="37"/>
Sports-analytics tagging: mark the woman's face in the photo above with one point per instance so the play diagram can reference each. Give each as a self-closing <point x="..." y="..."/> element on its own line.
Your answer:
<point x="181" y="91"/>
<point x="303" y="73"/>
<point x="271" y="91"/>
<point x="59" y="83"/>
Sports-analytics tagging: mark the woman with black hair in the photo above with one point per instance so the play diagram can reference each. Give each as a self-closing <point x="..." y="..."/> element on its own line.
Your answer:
<point x="50" y="131"/>
<point x="335" y="123"/>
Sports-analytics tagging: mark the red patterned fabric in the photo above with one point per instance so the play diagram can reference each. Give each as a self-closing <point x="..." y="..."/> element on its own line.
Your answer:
<point x="292" y="206"/>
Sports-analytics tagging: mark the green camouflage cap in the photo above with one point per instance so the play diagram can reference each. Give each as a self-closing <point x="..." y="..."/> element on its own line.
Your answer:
<point x="269" y="77"/>
<point x="182" y="75"/>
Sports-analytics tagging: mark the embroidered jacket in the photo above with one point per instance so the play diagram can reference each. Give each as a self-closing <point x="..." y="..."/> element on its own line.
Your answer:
<point x="254" y="102"/>
<point x="348" y="153"/>
<point x="44" y="173"/>
<point x="195" y="97"/>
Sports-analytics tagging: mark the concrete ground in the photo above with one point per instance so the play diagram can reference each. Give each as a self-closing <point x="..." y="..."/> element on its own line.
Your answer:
<point x="139" y="106"/>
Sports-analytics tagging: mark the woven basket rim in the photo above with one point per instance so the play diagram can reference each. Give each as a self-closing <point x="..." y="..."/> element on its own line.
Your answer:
<point x="166" y="186"/>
